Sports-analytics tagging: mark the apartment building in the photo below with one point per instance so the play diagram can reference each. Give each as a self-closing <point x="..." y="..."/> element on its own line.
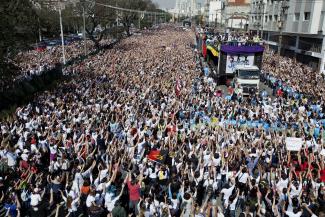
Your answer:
<point x="302" y="23"/>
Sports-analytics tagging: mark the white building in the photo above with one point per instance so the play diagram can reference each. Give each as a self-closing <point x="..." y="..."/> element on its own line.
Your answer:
<point x="303" y="26"/>
<point x="215" y="8"/>
<point x="186" y="7"/>
<point x="237" y="14"/>
<point x="232" y="14"/>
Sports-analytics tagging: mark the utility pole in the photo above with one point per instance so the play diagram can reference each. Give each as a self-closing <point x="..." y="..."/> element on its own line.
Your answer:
<point x="39" y="30"/>
<point x="62" y="37"/>
<point x="84" y="29"/>
<point x="284" y="8"/>
<point x="262" y="30"/>
<point x="258" y="24"/>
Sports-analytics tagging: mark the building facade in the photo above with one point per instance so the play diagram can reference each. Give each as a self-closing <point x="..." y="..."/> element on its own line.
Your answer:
<point x="186" y="7"/>
<point x="303" y="28"/>
<point x="229" y="14"/>
<point x="237" y="14"/>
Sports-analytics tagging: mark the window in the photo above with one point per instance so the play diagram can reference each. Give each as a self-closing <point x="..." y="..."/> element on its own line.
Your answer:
<point x="306" y="15"/>
<point x="270" y="17"/>
<point x="266" y="19"/>
<point x="297" y="17"/>
<point x="275" y="17"/>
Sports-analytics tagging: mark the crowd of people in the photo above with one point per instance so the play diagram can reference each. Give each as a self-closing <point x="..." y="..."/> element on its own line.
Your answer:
<point x="140" y="131"/>
<point x="293" y="74"/>
<point x="233" y="37"/>
<point x="36" y="61"/>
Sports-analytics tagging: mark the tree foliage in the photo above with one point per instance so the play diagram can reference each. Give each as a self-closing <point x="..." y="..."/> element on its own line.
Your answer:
<point x="18" y="27"/>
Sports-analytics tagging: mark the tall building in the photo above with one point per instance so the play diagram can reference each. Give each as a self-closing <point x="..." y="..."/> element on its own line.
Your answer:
<point x="302" y="23"/>
<point x="186" y="7"/>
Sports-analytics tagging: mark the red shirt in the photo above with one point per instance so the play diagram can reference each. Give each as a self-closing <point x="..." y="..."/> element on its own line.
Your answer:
<point x="322" y="175"/>
<point x="24" y="164"/>
<point x="134" y="191"/>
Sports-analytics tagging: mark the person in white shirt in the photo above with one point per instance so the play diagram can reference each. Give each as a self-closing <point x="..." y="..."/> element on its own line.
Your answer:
<point x="35" y="198"/>
<point x="232" y="204"/>
<point x="110" y="200"/>
<point x="282" y="183"/>
<point x="71" y="203"/>
<point x="226" y="194"/>
<point x="91" y="199"/>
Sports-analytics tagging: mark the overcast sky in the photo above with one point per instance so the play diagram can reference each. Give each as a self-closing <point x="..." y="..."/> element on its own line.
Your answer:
<point x="169" y="3"/>
<point x="165" y="3"/>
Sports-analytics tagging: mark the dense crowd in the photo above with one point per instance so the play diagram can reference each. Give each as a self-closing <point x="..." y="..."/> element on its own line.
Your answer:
<point x="139" y="131"/>
<point x="233" y="37"/>
<point x="298" y="76"/>
<point x="36" y="61"/>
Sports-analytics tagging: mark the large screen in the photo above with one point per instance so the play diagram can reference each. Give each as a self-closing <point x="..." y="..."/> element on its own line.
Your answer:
<point x="238" y="59"/>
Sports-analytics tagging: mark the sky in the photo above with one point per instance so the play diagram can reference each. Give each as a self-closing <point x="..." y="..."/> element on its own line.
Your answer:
<point x="165" y="3"/>
<point x="168" y="3"/>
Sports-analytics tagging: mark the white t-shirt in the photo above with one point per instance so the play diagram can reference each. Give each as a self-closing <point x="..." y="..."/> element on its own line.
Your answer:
<point x="90" y="200"/>
<point x="233" y="204"/>
<point x="35" y="199"/>
<point x="109" y="203"/>
<point x="242" y="177"/>
<point x="291" y="214"/>
<point x="282" y="184"/>
<point x="227" y="193"/>
<point x="295" y="191"/>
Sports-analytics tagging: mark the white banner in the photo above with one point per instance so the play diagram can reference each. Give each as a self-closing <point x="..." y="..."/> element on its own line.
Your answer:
<point x="294" y="144"/>
<point x="236" y="60"/>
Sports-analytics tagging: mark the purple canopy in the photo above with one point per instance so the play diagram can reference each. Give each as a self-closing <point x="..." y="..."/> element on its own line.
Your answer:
<point x="233" y="49"/>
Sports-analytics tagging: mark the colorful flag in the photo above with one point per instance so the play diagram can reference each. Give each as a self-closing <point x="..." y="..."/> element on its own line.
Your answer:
<point x="157" y="156"/>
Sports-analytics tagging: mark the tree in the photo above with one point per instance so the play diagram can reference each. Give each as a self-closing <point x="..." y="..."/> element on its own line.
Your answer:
<point x="18" y="25"/>
<point x="127" y="18"/>
<point x="18" y="29"/>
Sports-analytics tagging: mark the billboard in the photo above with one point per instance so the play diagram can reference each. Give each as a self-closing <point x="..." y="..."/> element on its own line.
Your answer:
<point x="234" y="60"/>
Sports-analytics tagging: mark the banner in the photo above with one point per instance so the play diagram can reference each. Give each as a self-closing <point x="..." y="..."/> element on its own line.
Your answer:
<point x="238" y="59"/>
<point x="294" y="144"/>
<point x="237" y="48"/>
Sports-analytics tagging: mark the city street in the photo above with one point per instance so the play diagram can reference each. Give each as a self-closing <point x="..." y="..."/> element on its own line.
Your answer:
<point x="114" y="108"/>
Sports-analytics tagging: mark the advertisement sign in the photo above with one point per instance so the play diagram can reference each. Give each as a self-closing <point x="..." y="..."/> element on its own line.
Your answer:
<point x="234" y="60"/>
